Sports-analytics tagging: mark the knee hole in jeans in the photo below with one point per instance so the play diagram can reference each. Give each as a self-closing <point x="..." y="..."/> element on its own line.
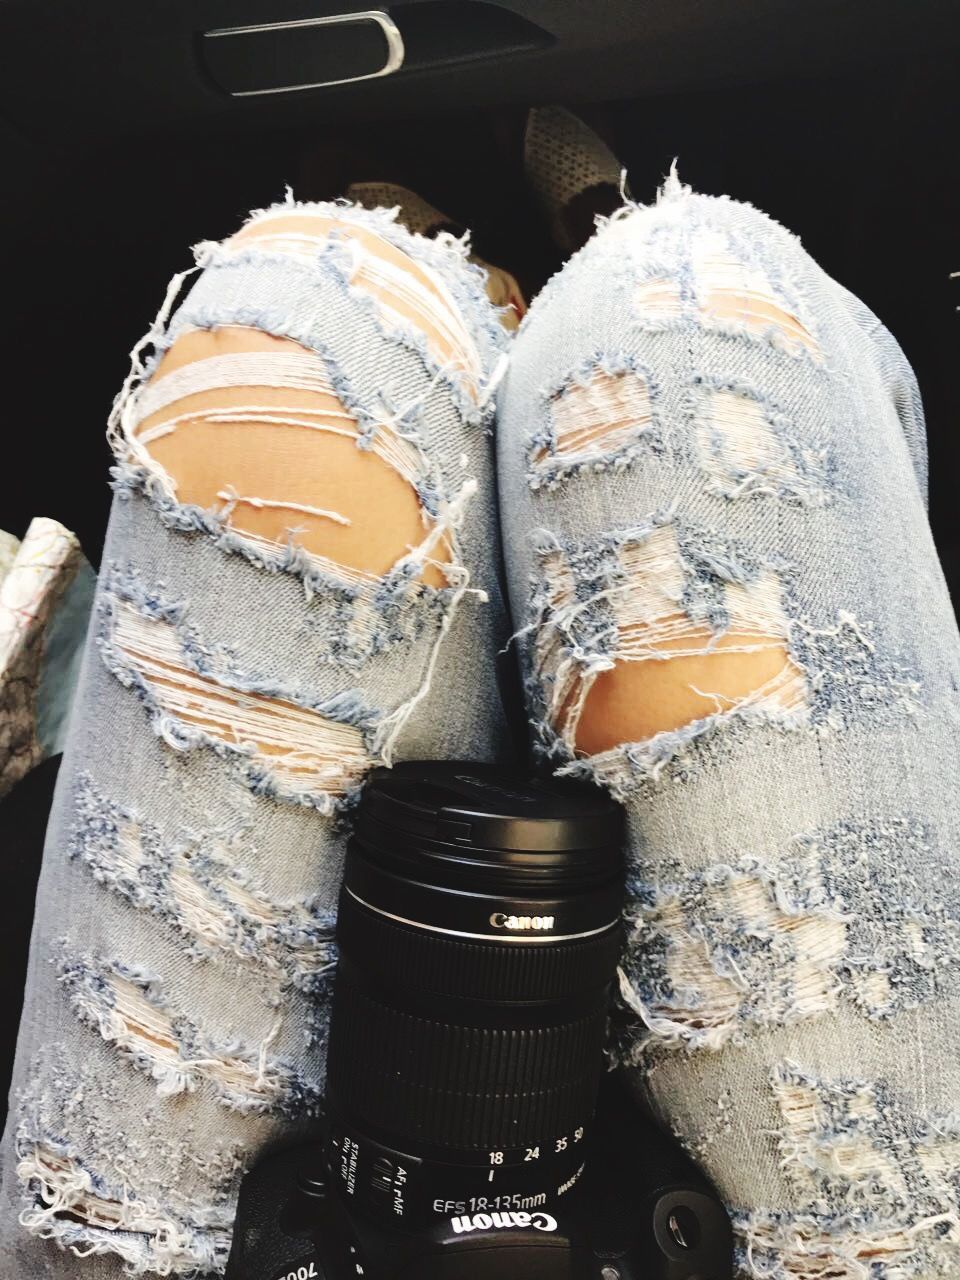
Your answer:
<point x="729" y="292"/>
<point x="595" y="415"/>
<point x="279" y="457"/>
<point x="302" y="750"/>
<point x="663" y="670"/>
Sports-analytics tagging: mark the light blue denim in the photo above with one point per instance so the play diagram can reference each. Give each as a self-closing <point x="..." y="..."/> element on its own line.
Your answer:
<point x="789" y="991"/>
<point x="794" y="950"/>
<point x="190" y="882"/>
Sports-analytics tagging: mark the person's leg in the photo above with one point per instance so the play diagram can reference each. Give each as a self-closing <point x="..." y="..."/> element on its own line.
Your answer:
<point x="298" y="582"/>
<point x="712" y="484"/>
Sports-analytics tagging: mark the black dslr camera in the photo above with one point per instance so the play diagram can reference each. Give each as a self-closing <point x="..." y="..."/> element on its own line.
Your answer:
<point x="471" y="1130"/>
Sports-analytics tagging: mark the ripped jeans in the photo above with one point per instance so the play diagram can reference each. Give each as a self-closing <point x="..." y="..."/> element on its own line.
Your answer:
<point x="728" y="609"/>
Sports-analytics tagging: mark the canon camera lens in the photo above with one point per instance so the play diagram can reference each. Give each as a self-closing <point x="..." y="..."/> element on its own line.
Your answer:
<point x="479" y="931"/>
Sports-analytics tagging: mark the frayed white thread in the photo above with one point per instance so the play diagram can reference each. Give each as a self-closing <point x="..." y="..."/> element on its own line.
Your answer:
<point x="146" y="1032"/>
<point x="68" y="1208"/>
<point x="222" y="908"/>
<point x="652" y="625"/>
<point x="301" y="370"/>
<point x="739" y="294"/>
<point x="672" y="188"/>
<point x="304" y="750"/>
<point x="450" y="521"/>
<point x="720" y="702"/>
<point x="709" y="991"/>
<point x="493" y="382"/>
<point x="398" y="289"/>
<point x="231" y="499"/>
<point x="262" y="1080"/>
<point x="845" y="621"/>
<point x="800" y="1249"/>
<point x="594" y="419"/>
<point x="287" y="370"/>
<point x="437" y="319"/>
<point x="739" y="447"/>
<point x="122" y="421"/>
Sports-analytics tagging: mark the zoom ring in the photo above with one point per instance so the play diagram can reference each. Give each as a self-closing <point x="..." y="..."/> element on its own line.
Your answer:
<point x="457" y="1087"/>
<point x="443" y="965"/>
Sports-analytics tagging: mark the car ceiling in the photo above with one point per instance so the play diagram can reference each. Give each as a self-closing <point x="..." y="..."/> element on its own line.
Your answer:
<point x="118" y="65"/>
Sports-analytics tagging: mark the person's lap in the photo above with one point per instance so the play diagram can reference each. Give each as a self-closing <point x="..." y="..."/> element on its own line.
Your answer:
<point x="728" y="609"/>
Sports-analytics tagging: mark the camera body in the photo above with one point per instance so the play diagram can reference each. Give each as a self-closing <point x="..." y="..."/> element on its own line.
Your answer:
<point x="470" y="1125"/>
<point x="639" y="1211"/>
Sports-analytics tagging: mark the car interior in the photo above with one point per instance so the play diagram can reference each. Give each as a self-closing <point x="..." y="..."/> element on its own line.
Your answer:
<point x="131" y="131"/>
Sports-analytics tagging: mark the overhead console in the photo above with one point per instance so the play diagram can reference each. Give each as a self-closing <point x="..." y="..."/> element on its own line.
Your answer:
<point x="343" y="48"/>
<point x="117" y="66"/>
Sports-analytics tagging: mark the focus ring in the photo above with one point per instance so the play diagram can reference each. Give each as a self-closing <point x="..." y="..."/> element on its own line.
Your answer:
<point x="437" y="964"/>
<point x="460" y="1087"/>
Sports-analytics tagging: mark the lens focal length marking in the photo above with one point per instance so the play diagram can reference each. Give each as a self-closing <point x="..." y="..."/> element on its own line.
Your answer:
<point x="395" y="1188"/>
<point x="500" y="936"/>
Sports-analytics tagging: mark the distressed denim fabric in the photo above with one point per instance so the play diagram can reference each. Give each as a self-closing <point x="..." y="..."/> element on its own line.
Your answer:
<point x="698" y="433"/>
<point x="701" y="433"/>
<point x="233" y="694"/>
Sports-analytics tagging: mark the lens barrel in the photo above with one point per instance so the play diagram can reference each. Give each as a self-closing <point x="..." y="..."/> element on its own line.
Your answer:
<point x="479" y="930"/>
